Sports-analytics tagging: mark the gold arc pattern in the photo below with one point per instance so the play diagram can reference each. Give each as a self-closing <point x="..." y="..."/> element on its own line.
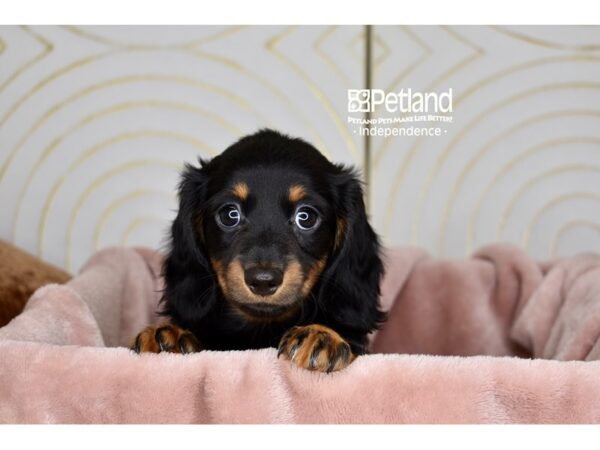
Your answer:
<point x="479" y="155"/>
<point x="356" y="46"/>
<point x="56" y="142"/>
<point x="114" y="82"/>
<point x="99" y="181"/>
<point x="85" y="61"/>
<point x="271" y="87"/>
<point x="551" y="204"/>
<point x="271" y="45"/>
<point x="407" y="160"/>
<point x="467" y="128"/>
<point x="427" y="53"/>
<point x="50" y="78"/>
<point x="533" y="181"/>
<point x="564" y="228"/>
<point x="504" y="171"/>
<point x="78" y="31"/>
<point x="544" y="43"/>
<point x="88" y="154"/>
<point x="476" y="53"/>
<point x="47" y="48"/>
<point x="72" y="66"/>
<point x="121" y="202"/>
<point x="136" y="223"/>
<point x="317" y="46"/>
<point x="379" y="60"/>
<point x="191" y="48"/>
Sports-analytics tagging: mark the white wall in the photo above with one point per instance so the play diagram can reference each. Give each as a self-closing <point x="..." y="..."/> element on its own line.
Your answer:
<point x="96" y="121"/>
<point x="520" y="162"/>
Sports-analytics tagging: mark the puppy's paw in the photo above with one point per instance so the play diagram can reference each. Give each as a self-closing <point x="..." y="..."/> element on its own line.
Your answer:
<point x="315" y="347"/>
<point x="165" y="338"/>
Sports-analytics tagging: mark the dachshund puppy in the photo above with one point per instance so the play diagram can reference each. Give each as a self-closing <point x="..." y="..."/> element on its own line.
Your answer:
<point x="271" y="247"/>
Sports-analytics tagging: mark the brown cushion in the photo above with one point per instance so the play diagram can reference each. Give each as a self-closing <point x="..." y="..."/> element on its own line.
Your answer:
<point x="20" y="275"/>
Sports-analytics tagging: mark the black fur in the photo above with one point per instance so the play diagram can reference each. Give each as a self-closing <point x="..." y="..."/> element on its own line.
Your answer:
<point x="346" y="295"/>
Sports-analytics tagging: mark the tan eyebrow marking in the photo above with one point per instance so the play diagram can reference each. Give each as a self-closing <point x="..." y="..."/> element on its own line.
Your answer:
<point x="296" y="193"/>
<point x="241" y="190"/>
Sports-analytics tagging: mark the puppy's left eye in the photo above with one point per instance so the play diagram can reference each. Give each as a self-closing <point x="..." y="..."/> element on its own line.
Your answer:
<point x="306" y="218"/>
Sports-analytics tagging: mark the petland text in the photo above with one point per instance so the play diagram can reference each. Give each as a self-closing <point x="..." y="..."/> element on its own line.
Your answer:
<point x="404" y="101"/>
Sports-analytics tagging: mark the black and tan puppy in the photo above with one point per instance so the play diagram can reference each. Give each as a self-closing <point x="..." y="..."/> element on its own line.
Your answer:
<point x="271" y="247"/>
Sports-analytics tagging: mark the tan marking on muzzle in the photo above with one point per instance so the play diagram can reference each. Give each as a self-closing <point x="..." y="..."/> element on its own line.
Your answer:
<point x="236" y="285"/>
<point x="313" y="275"/>
<point x="221" y="275"/>
<point x="241" y="191"/>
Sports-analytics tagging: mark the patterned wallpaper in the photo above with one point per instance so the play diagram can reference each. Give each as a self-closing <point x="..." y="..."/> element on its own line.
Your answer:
<point x="96" y="121"/>
<point x="520" y="161"/>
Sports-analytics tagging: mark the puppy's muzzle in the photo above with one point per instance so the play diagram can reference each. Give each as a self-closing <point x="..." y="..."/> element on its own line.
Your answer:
<point x="263" y="281"/>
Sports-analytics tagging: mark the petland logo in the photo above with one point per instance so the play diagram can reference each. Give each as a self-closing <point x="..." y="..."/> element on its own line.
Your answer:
<point x="405" y="101"/>
<point x="394" y="113"/>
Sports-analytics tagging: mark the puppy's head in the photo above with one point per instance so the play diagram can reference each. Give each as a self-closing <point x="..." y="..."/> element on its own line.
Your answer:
<point x="268" y="223"/>
<point x="270" y="218"/>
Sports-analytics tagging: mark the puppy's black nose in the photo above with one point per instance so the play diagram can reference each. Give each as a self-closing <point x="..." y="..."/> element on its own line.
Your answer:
<point x="263" y="281"/>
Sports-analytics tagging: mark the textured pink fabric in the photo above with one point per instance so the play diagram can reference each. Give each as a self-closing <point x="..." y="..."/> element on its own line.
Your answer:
<point x="60" y="361"/>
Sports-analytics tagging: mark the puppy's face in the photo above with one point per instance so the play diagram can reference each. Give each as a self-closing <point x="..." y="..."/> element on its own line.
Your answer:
<point x="268" y="233"/>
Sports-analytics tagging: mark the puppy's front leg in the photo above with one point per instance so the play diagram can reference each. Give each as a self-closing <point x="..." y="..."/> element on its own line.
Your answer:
<point x="165" y="338"/>
<point x="315" y="347"/>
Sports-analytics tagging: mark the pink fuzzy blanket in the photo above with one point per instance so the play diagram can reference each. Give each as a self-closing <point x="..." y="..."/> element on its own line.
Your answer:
<point x="60" y="361"/>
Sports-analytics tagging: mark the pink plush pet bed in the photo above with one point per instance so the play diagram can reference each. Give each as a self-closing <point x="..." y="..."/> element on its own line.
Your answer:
<point x="537" y="325"/>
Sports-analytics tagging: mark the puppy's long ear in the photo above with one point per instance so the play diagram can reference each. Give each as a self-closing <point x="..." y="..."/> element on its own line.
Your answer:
<point x="350" y="283"/>
<point x="190" y="290"/>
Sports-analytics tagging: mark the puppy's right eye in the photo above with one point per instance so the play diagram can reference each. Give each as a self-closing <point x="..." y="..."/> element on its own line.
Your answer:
<point x="229" y="216"/>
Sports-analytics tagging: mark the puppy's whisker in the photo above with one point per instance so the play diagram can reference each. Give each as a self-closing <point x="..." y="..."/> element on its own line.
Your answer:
<point x="211" y="276"/>
<point x="318" y="302"/>
<point x="333" y="282"/>
<point x="205" y="291"/>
